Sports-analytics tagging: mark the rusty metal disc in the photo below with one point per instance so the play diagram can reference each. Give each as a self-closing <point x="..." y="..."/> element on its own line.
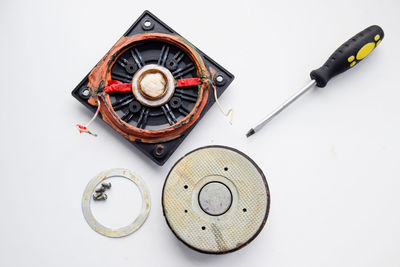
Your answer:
<point x="216" y="199"/>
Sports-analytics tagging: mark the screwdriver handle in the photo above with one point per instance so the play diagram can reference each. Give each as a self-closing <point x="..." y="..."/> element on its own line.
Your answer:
<point x="348" y="54"/>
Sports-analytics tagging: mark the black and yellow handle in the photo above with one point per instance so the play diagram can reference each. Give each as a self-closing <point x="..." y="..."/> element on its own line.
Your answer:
<point x="348" y="54"/>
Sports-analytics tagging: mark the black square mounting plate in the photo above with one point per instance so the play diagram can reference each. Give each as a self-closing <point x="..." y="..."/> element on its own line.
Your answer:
<point x="157" y="26"/>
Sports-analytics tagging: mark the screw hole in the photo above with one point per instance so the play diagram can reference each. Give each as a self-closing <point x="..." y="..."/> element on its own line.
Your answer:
<point x="147" y="25"/>
<point x="244" y="210"/>
<point x="226" y="169"/>
<point x="219" y="79"/>
<point x="159" y="151"/>
<point x="203" y="228"/>
<point x="134" y="107"/>
<point x="186" y="211"/>
<point x="85" y="92"/>
<point x="175" y="102"/>
<point x="185" y="186"/>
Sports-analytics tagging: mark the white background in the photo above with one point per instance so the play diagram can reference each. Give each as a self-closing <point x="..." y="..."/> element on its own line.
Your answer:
<point x="331" y="159"/>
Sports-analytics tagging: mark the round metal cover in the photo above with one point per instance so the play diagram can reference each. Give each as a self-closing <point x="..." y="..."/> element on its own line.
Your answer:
<point x="216" y="199"/>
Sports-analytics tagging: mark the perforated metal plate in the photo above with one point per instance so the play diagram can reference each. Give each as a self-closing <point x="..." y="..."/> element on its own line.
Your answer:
<point x="216" y="199"/>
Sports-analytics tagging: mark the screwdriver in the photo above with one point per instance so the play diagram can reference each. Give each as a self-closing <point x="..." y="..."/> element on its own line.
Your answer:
<point x="344" y="58"/>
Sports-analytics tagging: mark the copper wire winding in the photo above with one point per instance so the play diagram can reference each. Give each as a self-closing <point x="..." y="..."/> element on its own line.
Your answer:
<point x="101" y="75"/>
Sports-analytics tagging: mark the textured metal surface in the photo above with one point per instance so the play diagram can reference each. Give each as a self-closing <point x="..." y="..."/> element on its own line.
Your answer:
<point x="122" y="231"/>
<point x="203" y="231"/>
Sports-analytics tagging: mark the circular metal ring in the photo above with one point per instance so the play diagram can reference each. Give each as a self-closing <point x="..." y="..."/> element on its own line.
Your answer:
<point x="147" y="24"/>
<point x="125" y="230"/>
<point x="219" y="79"/>
<point x="169" y="90"/>
<point x="84" y="92"/>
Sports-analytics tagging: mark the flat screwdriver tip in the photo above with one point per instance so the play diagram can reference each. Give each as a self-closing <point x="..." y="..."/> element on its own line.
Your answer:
<point x="250" y="132"/>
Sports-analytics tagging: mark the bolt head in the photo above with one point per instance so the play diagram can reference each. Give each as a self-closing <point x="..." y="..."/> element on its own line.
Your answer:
<point x="100" y="189"/>
<point x="106" y="185"/>
<point x="97" y="195"/>
<point x="100" y="197"/>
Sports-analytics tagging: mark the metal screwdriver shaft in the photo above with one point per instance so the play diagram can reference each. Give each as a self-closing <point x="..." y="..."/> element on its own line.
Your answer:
<point x="344" y="58"/>
<point x="280" y="108"/>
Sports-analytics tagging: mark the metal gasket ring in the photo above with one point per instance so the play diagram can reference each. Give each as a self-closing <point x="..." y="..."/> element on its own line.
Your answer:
<point x="125" y="230"/>
<point x="165" y="97"/>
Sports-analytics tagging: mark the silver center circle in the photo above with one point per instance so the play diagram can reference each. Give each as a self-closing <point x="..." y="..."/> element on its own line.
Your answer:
<point x="215" y="198"/>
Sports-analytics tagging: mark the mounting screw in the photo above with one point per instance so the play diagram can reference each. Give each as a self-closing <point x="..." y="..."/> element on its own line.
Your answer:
<point x="101" y="197"/>
<point x="106" y="185"/>
<point x="159" y="151"/>
<point x="101" y="189"/>
<point x="96" y="195"/>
